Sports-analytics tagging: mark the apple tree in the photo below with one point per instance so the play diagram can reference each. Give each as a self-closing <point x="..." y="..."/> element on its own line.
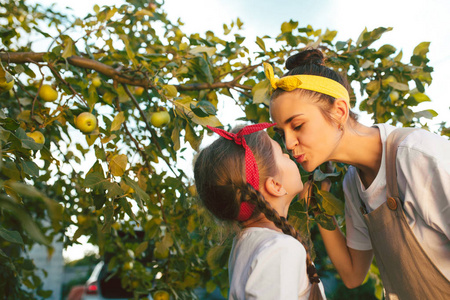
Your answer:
<point x="98" y="117"/>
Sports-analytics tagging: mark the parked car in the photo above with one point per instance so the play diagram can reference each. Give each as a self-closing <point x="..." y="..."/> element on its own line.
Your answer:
<point x="102" y="286"/>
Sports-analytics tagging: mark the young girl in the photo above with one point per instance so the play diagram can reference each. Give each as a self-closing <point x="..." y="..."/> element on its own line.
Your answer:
<point x="245" y="177"/>
<point x="409" y="238"/>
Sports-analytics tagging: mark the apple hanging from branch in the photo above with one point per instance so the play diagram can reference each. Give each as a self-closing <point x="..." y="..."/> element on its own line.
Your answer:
<point x="86" y="122"/>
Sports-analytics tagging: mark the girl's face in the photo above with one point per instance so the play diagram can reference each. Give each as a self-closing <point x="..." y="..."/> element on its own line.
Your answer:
<point x="288" y="173"/>
<point x="310" y="137"/>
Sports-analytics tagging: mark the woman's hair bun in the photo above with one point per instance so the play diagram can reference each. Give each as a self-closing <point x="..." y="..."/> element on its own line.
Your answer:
<point x="305" y="57"/>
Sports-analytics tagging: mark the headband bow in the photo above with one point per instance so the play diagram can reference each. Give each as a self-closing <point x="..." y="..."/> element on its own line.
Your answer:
<point x="251" y="168"/>
<point x="315" y="83"/>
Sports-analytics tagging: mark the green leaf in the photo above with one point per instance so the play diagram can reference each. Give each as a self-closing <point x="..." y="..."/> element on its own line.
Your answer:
<point x="95" y="180"/>
<point x="329" y="35"/>
<point x="422" y="49"/>
<point x="170" y="91"/>
<point x="143" y="12"/>
<point x="137" y="189"/>
<point x="176" y="136"/>
<point x="30" y="168"/>
<point x="11" y="236"/>
<point x="117" y="122"/>
<point x="207" y="107"/>
<point x="261" y="44"/>
<point x="10" y="124"/>
<point x="141" y="248"/>
<point x="419" y="85"/>
<point x="192" y="138"/>
<point x="108" y="212"/>
<point x="429" y="114"/>
<point x="288" y="26"/>
<point x="399" y="86"/>
<point x="199" y="111"/>
<point x="210" y="51"/>
<point x="24" y="218"/>
<point x="260" y="92"/>
<point x="361" y="37"/>
<point x="118" y="164"/>
<point x="183" y="107"/>
<point x="325" y="222"/>
<point x="126" y="206"/>
<point x="330" y="204"/>
<point x="217" y="257"/>
<point x="69" y="49"/>
<point x="386" y="50"/>
<point x="320" y="176"/>
<point x="420" y="97"/>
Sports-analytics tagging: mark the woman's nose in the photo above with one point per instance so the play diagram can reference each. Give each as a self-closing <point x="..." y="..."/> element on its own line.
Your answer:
<point x="290" y="141"/>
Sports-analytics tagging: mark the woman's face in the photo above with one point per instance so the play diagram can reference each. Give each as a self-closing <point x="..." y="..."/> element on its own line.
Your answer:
<point x="308" y="135"/>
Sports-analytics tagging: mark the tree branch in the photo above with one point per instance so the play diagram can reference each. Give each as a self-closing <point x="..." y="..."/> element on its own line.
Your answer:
<point x="86" y="63"/>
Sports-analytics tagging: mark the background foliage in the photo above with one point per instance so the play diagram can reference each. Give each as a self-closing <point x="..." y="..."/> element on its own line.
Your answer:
<point x="126" y="174"/>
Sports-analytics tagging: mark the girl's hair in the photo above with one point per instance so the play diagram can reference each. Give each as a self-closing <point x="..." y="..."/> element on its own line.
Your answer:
<point x="312" y="62"/>
<point x="219" y="173"/>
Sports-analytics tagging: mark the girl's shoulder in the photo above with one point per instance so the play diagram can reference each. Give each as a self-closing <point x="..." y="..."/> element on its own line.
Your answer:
<point x="264" y="239"/>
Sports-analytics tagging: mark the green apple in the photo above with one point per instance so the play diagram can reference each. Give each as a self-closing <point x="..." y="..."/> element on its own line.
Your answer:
<point x="47" y="93"/>
<point x="96" y="81"/>
<point x="37" y="136"/>
<point x="86" y="122"/>
<point x="160" y="118"/>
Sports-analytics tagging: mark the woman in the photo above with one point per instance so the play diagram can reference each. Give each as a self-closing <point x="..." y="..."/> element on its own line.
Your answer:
<point x="245" y="178"/>
<point x="310" y="105"/>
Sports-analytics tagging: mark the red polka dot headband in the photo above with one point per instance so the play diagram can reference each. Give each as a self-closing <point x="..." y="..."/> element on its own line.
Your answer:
<point x="251" y="168"/>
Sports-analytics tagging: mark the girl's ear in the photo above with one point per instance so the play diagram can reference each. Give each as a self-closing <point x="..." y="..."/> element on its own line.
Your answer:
<point x="274" y="187"/>
<point x="341" y="110"/>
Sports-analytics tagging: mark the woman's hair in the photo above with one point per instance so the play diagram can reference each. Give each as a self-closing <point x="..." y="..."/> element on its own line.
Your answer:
<point x="219" y="173"/>
<point x="312" y="62"/>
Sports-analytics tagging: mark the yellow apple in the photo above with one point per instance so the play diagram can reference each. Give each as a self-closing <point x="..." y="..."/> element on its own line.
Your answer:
<point x="37" y="136"/>
<point x="128" y="266"/>
<point x="160" y="118"/>
<point x="161" y="295"/>
<point x="7" y="83"/>
<point x="96" y="82"/>
<point x="152" y="7"/>
<point x="47" y="93"/>
<point x="139" y="90"/>
<point x="86" y="122"/>
<point x="394" y="95"/>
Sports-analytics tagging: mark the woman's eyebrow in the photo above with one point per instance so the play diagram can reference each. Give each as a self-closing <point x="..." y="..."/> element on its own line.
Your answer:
<point x="291" y="118"/>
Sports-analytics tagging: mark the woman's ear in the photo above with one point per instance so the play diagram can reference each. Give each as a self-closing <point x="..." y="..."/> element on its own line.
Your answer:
<point x="274" y="187"/>
<point x="341" y="110"/>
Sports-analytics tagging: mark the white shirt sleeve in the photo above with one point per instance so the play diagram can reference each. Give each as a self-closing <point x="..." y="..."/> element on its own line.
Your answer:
<point x="357" y="233"/>
<point x="278" y="272"/>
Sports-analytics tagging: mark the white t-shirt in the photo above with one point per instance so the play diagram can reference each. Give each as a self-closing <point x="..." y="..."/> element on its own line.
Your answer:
<point x="423" y="175"/>
<point x="266" y="264"/>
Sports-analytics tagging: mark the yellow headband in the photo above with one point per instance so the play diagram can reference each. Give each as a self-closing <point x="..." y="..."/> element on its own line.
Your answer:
<point x="307" y="82"/>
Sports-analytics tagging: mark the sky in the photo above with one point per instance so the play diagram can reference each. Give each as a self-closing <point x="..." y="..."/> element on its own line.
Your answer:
<point x="413" y="22"/>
